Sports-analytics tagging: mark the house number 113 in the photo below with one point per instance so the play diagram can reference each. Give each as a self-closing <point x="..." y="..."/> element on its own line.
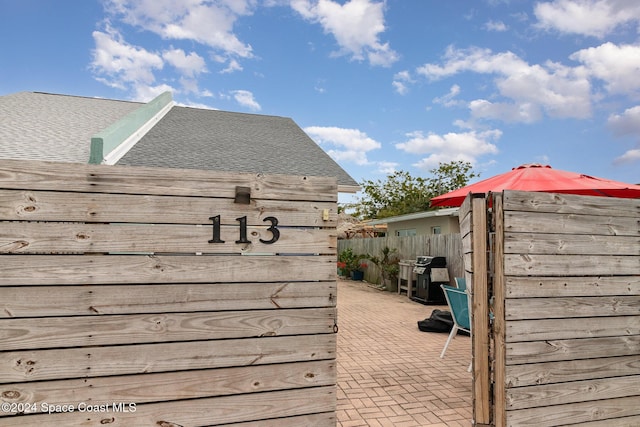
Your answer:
<point x="273" y="229"/>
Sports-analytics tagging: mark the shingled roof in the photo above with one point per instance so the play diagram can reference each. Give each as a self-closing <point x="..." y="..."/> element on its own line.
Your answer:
<point x="44" y="126"/>
<point x="40" y="126"/>
<point x="234" y="142"/>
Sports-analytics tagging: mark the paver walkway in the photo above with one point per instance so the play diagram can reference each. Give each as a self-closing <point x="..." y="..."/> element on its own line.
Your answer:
<point x="389" y="372"/>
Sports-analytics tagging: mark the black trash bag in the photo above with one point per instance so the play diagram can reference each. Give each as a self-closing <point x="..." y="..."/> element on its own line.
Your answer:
<point x="439" y="321"/>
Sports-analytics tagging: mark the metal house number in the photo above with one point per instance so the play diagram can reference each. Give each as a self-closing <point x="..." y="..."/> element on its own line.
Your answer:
<point x="275" y="233"/>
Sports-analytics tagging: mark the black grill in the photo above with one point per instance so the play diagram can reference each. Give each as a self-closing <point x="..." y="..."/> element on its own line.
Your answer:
<point x="431" y="272"/>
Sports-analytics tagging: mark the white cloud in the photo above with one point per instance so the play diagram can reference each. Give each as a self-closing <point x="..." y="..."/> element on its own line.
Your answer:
<point x="557" y="90"/>
<point x="352" y="144"/>
<point x="465" y="146"/>
<point x="119" y="64"/>
<point x="616" y="65"/>
<point x="188" y="64"/>
<point x="497" y="26"/>
<point x="246" y="99"/>
<point x="202" y="21"/>
<point x="400" y="82"/>
<point x="627" y="123"/>
<point x="595" y="18"/>
<point x="630" y="156"/>
<point x="449" y="100"/>
<point x="387" y="168"/>
<point x="356" y="26"/>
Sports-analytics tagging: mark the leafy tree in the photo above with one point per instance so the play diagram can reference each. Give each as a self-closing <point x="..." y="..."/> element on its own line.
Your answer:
<point x="402" y="193"/>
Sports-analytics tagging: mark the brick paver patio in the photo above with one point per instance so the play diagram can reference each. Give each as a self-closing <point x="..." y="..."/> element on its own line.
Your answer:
<point x="389" y="372"/>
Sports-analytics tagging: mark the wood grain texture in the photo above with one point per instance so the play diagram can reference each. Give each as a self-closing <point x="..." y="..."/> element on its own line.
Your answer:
<point x="54" y="176"/>
<point x="86" y="331"/>
<point x="120" y="269"/>
<point x="48" y="364"/>
<point x="39" y="301"/>
<point x="206" y="411"/>
<point x="167" y="386"/>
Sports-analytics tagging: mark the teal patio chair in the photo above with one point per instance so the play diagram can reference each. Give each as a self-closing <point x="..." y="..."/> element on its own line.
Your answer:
<point x="461" y="283"/>
<point x="458" y="301"/>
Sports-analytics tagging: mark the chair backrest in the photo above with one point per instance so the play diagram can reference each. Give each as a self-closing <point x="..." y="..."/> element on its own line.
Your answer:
<point x="461" y="283"/>
<point x="458" y="301"/>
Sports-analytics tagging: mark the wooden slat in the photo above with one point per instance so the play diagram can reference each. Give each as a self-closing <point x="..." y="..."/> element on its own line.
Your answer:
<point x="584" y="327"/>
<point x="37" y="175"/>
<point x="571" y="265"/>
<point x="538" y="286"/>
<point x="326" y="419"/>
<point x="120" y="269"/>
<point x="571" y="244"/>
<point x="83" y="331"/>
<point x="555" y="350"/>
<point x="162" y="387"/>
<point x="571" y="370"/>
<point x="207" y="411"/>
<point x="499" y="323"/>
<point x="576" y="413"/>
<point x="632" y="421"/>
<point x="30" y="205"/>
<point x="570" y="204"/>
<point x="37" y="301"/>
<point x="480" y="313"/>
<point x="566" y="307"/>
<point x="29" y="238"/>
<point x="527" y="222"/>
<point x="36" y="365"/>
<point x="573" y="392"/>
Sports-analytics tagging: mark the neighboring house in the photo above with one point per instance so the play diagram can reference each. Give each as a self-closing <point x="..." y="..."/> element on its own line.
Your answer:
<point x="441" y="221"/>
<point x="43" y="126"/>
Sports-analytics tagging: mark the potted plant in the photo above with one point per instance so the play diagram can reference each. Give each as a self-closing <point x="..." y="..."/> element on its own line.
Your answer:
<point x="349" y="262"/>
<point x="358" y="272"/>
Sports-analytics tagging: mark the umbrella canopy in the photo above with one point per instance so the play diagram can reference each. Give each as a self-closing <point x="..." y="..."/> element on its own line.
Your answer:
<point x="536" y="177"/>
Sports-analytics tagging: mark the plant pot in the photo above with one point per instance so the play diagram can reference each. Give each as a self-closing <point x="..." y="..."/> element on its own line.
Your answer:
<point x="357" y="275"/>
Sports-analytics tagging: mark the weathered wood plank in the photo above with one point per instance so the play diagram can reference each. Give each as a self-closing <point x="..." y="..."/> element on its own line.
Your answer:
<point x="571" y="244"/>
<point x="326" y="419"/>
<point x="575" y="413"/>
<point x="573" y="392"/>
<point x="55" y="176"/>
<point x="537" y="286"/>
<point x="566" y="307"/>
<point x="632" y="421"/>
<point x="168" y="386"/>
<point x="29" y="238"/>
<point x="567" y="349"/>
<point x="116" y="269"/>
<point x="571" y="370"/>
<point x="38" y="301"/>
<point x="480" y="313"/>
<point x="570" y="265"/>
<point x="499" y="323"/>
<point x="36" y="365"/>
<point x="570" y="204"/>
<point x="30" y="205"/>
<point x="583" y="327"/>
<point x="83" y="331"/>
<point x="526" y="222"/>
<point x="207" y="411"/>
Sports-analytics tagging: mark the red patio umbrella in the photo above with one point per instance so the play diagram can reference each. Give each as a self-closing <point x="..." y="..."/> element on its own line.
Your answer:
<point x="536" y="177"/>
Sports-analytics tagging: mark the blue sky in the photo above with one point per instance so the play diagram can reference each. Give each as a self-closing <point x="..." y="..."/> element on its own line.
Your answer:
<point x="380" y="85"/>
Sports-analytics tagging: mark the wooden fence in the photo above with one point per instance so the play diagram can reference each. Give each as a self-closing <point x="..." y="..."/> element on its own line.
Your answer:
<point x="409" y="247"/>
<point x="140" y="296"/>
<point x="566" y="303"/>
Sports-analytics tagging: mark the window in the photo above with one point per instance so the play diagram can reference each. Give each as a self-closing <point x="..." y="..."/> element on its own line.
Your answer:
<point x="407" y="232"/>
<point x="436" y="230"/>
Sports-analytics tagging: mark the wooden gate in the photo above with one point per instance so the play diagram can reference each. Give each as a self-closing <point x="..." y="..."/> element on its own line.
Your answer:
<point x="563" y="285"/>
<point x="164" y="297"/>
